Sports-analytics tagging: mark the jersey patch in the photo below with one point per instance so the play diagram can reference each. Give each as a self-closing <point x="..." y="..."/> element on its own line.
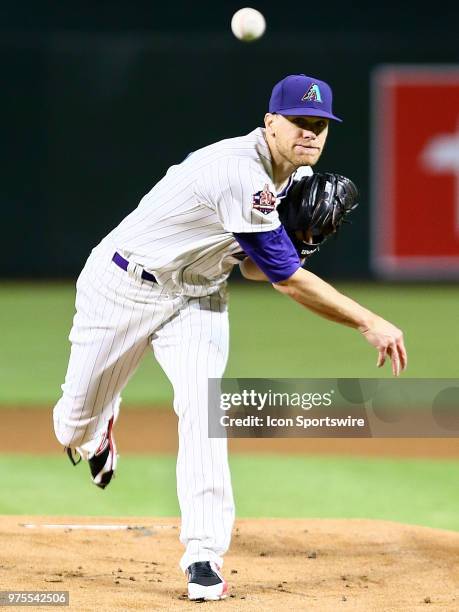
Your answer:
<point x="264" y="201"/>
<point x="313" y="94"/>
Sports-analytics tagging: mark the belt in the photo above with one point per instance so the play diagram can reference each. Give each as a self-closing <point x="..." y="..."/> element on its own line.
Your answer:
<point x="124" y="263"/>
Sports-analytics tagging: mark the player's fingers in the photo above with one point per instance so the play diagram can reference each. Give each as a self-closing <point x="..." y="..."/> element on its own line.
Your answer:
<point x="382" y="353"/>
<point x="393" y="354"/>
<point x="402" y="354"/>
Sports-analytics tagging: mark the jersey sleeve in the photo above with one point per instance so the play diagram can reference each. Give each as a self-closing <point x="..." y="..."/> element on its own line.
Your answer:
<point x="272" y="251"/>
<point x="242" y="195"/>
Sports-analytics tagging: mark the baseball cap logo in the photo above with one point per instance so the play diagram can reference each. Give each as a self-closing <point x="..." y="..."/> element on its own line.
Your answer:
<point x="313" y="94"/>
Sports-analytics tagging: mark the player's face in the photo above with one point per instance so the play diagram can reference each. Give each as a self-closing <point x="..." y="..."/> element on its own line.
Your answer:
<point x="299" y="139"/>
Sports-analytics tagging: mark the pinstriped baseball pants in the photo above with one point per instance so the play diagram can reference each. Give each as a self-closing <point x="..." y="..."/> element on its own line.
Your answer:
<point x="118" y="319"/>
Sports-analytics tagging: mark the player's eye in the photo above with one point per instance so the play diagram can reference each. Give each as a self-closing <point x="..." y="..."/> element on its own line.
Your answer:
<point x="298" y="121"/>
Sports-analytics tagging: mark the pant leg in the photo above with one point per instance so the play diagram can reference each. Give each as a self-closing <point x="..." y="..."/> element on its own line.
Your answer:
<point x="115" y="315"/>
<point x="192" y="347"/>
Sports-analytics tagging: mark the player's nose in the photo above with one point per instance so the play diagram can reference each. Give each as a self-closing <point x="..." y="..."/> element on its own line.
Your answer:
<point x="309" y="134"/>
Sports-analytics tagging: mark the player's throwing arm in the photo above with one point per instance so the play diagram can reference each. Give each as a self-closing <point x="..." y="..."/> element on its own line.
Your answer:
<point x="314" y="209"/>
<point x="315" y="294"/>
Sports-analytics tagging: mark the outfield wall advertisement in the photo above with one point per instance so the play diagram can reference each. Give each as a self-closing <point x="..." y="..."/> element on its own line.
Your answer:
<point x="415" y="216"/>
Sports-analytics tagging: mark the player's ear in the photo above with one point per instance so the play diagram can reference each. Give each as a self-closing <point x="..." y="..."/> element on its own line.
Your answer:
<point x="269" y="123"/>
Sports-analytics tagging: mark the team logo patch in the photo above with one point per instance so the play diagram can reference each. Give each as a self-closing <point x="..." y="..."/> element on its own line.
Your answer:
<point x="313" y="94"/>
<point x="264" y="201"/>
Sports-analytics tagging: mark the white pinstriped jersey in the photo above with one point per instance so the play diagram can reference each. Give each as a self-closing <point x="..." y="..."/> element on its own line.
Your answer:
<point x="182" y="229"/>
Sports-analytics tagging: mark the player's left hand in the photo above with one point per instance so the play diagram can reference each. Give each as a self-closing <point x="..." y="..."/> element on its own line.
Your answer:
<point x="389" y="342"/>
<point x="314" y="208"/>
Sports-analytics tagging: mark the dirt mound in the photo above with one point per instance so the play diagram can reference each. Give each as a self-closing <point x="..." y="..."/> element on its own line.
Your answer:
<point x="314" y="564"/>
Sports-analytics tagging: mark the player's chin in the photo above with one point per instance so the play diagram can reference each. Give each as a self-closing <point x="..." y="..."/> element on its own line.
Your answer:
<point x="306" y="156"/>
<point x="306" y="159"/>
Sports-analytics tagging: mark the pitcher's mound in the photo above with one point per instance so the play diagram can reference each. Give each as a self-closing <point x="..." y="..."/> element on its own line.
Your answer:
<point x="315" y="564"/>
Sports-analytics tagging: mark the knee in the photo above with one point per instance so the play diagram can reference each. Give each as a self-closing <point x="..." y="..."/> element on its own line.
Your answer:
<point x="68" y="431"/>
<point x="71" y="438"/>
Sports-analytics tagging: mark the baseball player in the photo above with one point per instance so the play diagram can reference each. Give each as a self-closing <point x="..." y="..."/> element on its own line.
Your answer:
<point x="158" y="282"/>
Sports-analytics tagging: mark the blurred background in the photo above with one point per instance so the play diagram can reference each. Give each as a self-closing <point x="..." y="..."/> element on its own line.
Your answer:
<point x="99" y="100"/>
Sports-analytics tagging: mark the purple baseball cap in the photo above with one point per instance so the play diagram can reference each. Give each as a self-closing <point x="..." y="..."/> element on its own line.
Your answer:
<point x="299" y="94"/>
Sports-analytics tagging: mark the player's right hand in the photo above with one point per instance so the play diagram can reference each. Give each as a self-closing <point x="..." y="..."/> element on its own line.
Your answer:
<point x="389" y="342"/>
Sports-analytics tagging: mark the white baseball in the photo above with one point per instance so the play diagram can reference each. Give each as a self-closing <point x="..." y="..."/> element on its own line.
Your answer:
<point x="248" y="24"/>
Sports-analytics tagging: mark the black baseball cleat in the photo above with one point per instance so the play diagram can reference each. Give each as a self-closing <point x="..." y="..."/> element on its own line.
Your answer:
<point x="205" y="583"/>
<point x="103" y="463"/>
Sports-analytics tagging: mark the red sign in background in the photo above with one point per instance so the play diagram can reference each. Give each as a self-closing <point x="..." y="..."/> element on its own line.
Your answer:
<point x="416" y="171"/>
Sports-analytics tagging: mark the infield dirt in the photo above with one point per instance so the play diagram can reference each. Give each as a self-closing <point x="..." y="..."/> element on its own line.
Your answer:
<point x="311" y="564"/>
<point x="30" y="430"/>
<point x="319" y="565"/>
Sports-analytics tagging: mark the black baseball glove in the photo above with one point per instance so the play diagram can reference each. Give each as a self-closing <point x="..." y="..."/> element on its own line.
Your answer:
<point x="314" y="208"/>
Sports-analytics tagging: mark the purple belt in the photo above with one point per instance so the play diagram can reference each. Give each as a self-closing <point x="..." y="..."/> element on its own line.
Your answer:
<point x="123" y="263"/>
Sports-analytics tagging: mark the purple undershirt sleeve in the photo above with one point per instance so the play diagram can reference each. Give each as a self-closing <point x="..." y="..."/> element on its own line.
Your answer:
<point x="272" y="251"/>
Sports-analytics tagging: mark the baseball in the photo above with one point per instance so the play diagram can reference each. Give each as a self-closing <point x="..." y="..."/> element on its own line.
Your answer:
<point x="248" y="24"/>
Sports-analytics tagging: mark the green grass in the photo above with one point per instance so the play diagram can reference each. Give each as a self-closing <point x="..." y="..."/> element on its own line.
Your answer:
<point x="409" y="491"/>
<point x="271" y="336"/>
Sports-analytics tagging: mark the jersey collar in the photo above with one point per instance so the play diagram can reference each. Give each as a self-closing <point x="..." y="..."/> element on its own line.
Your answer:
<point x="265" y="157"/>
